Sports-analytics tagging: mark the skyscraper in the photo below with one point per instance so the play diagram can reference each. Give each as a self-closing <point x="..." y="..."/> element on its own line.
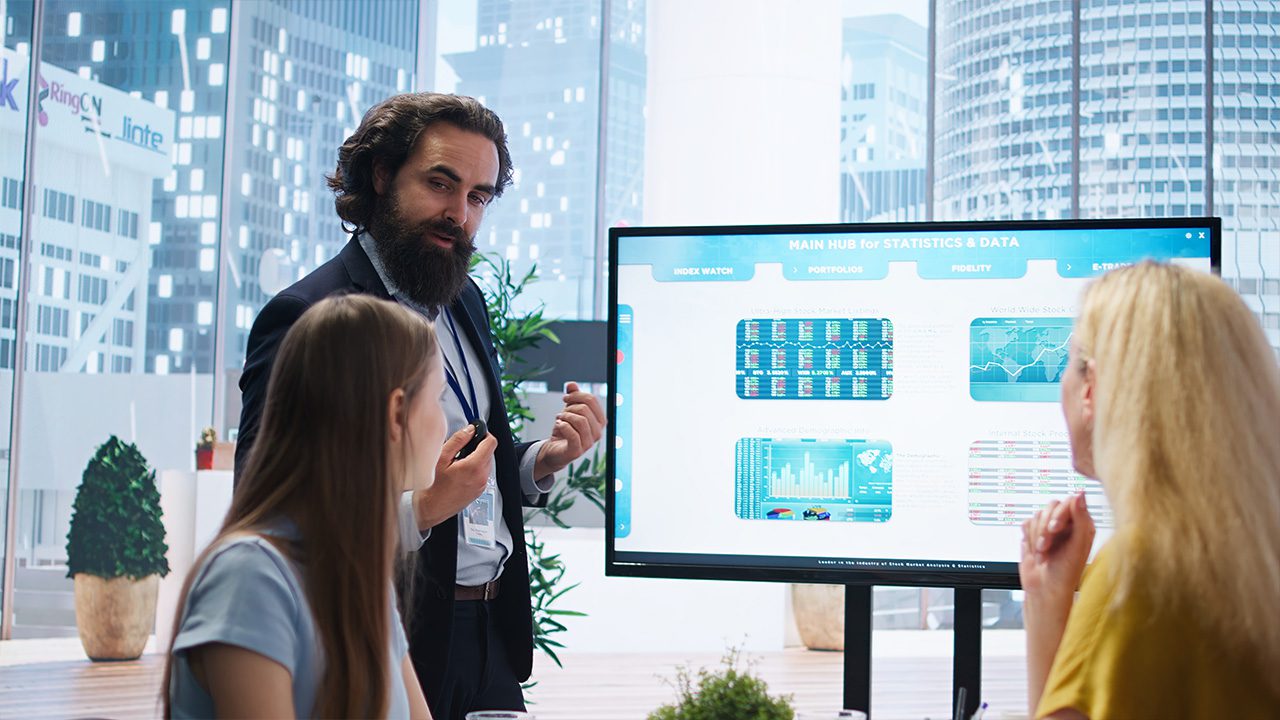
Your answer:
<point x="1003" y="114"/>
<point x="307" y="71"/>
<point x="1246" y="131"/>
<point x="1013" y="113"/>
<point x="537" y="64"/>
<point x="883" y="104"/>
<point x="173" y="55"/>
<point x="130" y="229"/>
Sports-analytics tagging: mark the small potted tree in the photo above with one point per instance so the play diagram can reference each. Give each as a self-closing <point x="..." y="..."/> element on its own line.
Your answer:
<point x="204" y="449"/>
<point x="116" y="552"/>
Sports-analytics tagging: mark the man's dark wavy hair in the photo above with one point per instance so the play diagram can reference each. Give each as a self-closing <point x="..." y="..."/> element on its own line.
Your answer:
<point x="388" y="133"/>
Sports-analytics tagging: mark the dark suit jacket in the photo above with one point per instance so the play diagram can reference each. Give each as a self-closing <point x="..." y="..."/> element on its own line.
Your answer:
<point x="432" y="612"/>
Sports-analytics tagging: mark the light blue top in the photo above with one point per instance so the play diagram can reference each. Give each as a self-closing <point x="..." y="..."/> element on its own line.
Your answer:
<point x="247" y="594"/>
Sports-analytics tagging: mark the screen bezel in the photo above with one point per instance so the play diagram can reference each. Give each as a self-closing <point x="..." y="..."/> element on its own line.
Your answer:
<point x="974" y="579"/>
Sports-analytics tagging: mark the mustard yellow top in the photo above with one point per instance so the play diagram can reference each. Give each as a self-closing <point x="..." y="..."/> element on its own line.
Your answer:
<point x="1136" y="661"/>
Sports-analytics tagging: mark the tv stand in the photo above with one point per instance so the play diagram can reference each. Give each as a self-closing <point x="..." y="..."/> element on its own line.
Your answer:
<point x="966" y="661"/>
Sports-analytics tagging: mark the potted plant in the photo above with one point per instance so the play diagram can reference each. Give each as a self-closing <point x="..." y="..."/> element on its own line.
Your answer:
<point x="204" y="449"/>
<point x="116" y="552"/>
<point x="730" y="693"/>
<point x="819" y="613"/>
<point x="513" y="333"/>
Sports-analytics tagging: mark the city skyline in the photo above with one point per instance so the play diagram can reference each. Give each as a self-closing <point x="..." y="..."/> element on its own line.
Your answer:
<point x="125" y="270"/>
<point x="274" y="246"/>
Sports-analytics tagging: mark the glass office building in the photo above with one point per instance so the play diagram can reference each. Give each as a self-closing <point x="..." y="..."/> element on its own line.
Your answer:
<point x="538" y="65"/>
<point x="200" y="189"/>
<point x="1115" y="109"/>
<point x="884" y="111"/>
<point x="305" y="73"/>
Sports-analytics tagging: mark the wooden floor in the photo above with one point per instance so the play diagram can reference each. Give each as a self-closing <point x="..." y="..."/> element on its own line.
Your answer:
<point x="590" y="687"/>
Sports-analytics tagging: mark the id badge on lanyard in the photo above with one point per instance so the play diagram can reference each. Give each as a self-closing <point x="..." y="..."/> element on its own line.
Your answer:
<point x="479" y="524"/>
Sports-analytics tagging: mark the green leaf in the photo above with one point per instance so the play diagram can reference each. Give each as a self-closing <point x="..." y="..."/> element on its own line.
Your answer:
<point x="732" y="692"/>
<point x="116" y="527"/>
<point x="514" y="333"/>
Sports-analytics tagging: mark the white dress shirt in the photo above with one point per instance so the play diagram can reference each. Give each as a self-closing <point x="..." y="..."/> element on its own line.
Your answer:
<point x="476" y="565"/>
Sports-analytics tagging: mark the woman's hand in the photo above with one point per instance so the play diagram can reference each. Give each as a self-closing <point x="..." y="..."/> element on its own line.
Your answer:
<point x="1055" y="547"/>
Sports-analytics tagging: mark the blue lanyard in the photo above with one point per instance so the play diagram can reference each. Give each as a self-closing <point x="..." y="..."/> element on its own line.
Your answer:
<point x="470" y="410"/>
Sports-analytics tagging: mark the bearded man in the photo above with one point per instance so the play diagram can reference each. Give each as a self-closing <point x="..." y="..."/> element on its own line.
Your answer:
<point x="412" y="185"/>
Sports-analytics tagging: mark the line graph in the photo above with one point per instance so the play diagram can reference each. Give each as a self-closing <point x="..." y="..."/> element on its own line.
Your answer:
<point x="1058" y="349"/>
<point x="1017" y="359"/>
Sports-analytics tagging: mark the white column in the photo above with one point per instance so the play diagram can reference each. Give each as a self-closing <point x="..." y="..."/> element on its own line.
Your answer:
<point x="178" y="508"/>
<point x="194" y="505"/>
<point x="743" y="112"/>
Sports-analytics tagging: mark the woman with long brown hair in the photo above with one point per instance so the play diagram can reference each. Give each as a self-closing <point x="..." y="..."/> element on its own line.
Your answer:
<point x="1172" y="401"/>
<point x="291" y="610"/>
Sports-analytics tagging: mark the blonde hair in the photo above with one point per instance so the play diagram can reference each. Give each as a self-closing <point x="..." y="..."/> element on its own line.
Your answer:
<point x="1185" y="442"/>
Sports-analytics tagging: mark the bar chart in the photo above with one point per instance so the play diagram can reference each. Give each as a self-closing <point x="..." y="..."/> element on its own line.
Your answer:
<point x="796" y="471"/>
<point x="813" y="480"/>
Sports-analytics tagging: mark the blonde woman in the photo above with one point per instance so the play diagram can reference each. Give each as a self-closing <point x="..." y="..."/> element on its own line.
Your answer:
<point x="1172" y="401"/>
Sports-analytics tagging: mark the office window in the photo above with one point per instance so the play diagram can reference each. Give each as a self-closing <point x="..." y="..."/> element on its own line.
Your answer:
<point x="59" y="205"/>
<point x="552" y="120"/>
<point x="127" y="224"/>
<point x="93" y="290"/>
<point x="95" y="215"/>
<point x="57" y="252"/>
<point x="49" y="358"/>
<point x="282" y="200"/>
<point x="130" y="294"/>
<point x="52" y="321"/>
<point x="122" y="333"/>
<point x="11" y="194"/>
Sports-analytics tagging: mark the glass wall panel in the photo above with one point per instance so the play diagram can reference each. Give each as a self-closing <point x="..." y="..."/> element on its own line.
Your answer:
<point x="304" y="75"/>
<point x="1003" y="114"/>
<point x="537" y="64"/>
<point x="1142" y="109"/>
<point x="623" y="143"/>
<point x="1246" y="127"/>
<point x="883" y="113"/>
<point x="120" y="322"/>
<point x="15" y="84"/>
<point x="133" y="137"/>
<point x="696" y="133"/>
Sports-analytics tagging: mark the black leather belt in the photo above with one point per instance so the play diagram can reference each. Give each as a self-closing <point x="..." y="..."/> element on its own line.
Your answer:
<point x="487" y="591"/>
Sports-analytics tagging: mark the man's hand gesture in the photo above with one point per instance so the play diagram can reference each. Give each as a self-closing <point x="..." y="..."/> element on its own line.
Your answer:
<point x="457" y="482"/>
<point x="577" y="428"/>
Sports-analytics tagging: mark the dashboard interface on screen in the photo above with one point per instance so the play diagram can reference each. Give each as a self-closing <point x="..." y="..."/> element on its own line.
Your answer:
<point x="852" y="399"/>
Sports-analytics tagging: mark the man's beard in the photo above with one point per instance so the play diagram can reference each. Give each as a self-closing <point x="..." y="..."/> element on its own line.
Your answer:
<point x="425" y="273"/>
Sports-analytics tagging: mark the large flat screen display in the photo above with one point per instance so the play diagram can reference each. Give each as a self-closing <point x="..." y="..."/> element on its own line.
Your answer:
<point x="851" y="403"/>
